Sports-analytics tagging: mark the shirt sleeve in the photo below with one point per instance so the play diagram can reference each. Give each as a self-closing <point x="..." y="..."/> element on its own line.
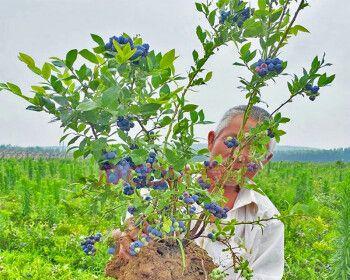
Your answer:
<point x="267" y="258"/>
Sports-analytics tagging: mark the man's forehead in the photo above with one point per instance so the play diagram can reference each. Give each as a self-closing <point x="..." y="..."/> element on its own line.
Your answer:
<point x="234" y="124"/>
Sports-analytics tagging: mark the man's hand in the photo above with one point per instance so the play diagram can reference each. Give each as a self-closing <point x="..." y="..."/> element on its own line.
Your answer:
<point x="124" y="239"/>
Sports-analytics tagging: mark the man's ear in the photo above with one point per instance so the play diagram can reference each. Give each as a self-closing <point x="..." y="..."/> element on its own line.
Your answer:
<point x="211" y="137"/>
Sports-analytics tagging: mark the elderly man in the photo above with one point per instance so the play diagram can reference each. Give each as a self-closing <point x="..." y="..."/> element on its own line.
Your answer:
<point x="263" y="247"/>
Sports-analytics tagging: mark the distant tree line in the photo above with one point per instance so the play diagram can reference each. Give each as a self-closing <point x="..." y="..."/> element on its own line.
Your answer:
<point x="341" y="154"/>
<point x="294" y="154"/>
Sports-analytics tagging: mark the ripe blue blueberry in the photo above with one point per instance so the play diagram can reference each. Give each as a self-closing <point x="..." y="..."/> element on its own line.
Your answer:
<point x="315" y="89"/>
<point x="270" y="133"/>
<point x="111" y="250"/>
<point x="211" y="236"/>
<point x="203" y="184"/>
<point x="188" y="200"/>
<point x="271" y="67"/>
<point x="278" y="67"/>
<point x="252" y="167"/>
<point x="308" y="87"/>
<point x="113" y="178"/>
<point x="131" y="209"/>
<point x="231" y="142"/>
<point x="128" y="190"/>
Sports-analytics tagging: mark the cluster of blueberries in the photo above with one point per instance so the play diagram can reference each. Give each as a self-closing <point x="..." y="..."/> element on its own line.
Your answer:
<point x="177" y="226"/>
<point x="216" y="210"/>
<point x="124" y="123"/>
<point x="141" y="50"/>
<point x="135" y="247"/>
<point x="204" y="185"/>
<point x="141" y="179"/>
<point x="193" y="209"/>
<point x="160" y="185"/>
<point x="210" y="164"/>
<point x="313" y="90"/>
<point x="239" y="17"/>
<point x="231" y="142"/>
<point x="128" y="189"/>
<point x="252" y="166"/>
<point x="88" y="244"/>
<point x="154" y="231"/>
<point x="190" y="199"/>
<point x="122" y="40"/>
<point x="264" y="67"/>
<point x="121" y="170"/>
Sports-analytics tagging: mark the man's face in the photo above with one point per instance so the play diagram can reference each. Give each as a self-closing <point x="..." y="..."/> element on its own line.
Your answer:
<point x="217" y="146"/>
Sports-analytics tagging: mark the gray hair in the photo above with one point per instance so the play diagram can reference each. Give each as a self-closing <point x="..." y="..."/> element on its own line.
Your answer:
<point x="258" y="114"/>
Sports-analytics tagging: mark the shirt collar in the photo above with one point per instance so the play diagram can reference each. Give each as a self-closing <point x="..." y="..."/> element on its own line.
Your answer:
<point x="245" y="197"/>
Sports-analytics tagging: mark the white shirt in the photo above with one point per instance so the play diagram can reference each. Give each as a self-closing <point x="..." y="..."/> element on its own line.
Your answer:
<point x="264" y="245"/>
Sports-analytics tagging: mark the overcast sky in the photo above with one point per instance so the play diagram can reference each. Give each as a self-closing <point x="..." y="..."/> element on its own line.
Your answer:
<point x="51" y="28"/>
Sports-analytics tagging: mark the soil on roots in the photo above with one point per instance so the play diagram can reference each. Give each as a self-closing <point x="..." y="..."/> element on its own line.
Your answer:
<point x="163" y="261"/>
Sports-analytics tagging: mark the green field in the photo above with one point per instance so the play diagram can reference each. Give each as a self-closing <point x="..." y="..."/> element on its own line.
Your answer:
<point x="44" y="214"/>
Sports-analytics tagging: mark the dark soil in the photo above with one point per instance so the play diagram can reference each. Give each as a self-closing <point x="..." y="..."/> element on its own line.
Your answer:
<point x="162" y="261"/>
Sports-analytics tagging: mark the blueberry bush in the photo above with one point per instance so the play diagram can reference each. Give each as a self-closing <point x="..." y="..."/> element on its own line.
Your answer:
<point x="123" y="104"/>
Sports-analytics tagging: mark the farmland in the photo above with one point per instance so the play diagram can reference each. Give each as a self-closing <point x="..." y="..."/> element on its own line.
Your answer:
<point x="44" y="214"/>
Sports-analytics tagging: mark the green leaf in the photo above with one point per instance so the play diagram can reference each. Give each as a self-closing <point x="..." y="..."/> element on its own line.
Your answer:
<point x="211" y="17"/>
<point x="208" y="76"/>
<point x="110" y="96"/>
<point x="199" y="7"/>
<point x="201" y="35"/>
<point x="245" y="48"/>
<point x="139" y="156"/>
<point x="89" y="56"/>
<point x="194" y="116"/>
<point x="189" y="107"/>
<point x="195" y="55"/>
<point x="276" y="14"/>
<point x="38" y="89"/>
<point x="14" y="88"/>
<point x="46" y="71"/>
<point x="324" y="80"/>
<point x="77" y="153"/>
<point x="262" y="4"/>
<point x="301" y="28"/>
<point x="298" y="28"/>
<point x="149" y="108"/>
<point x="203" y="151"/>
<point x="26" y="59"/>
<point x="87" y="105"/>
<point x="166" y="225"/>
<point x="71" y="57"/>
<point x="170" y="155"/>
<point x="284" y="120"/>
<point x="34" y="108"/>
<point x="71" y="141"/>
<point x="97" y="39"/>
<point x="165" y="121"/>
<point x="167" y="59"/>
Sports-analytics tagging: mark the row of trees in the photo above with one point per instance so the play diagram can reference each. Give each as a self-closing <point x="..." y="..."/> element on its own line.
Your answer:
<point x="304" y="155"/>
